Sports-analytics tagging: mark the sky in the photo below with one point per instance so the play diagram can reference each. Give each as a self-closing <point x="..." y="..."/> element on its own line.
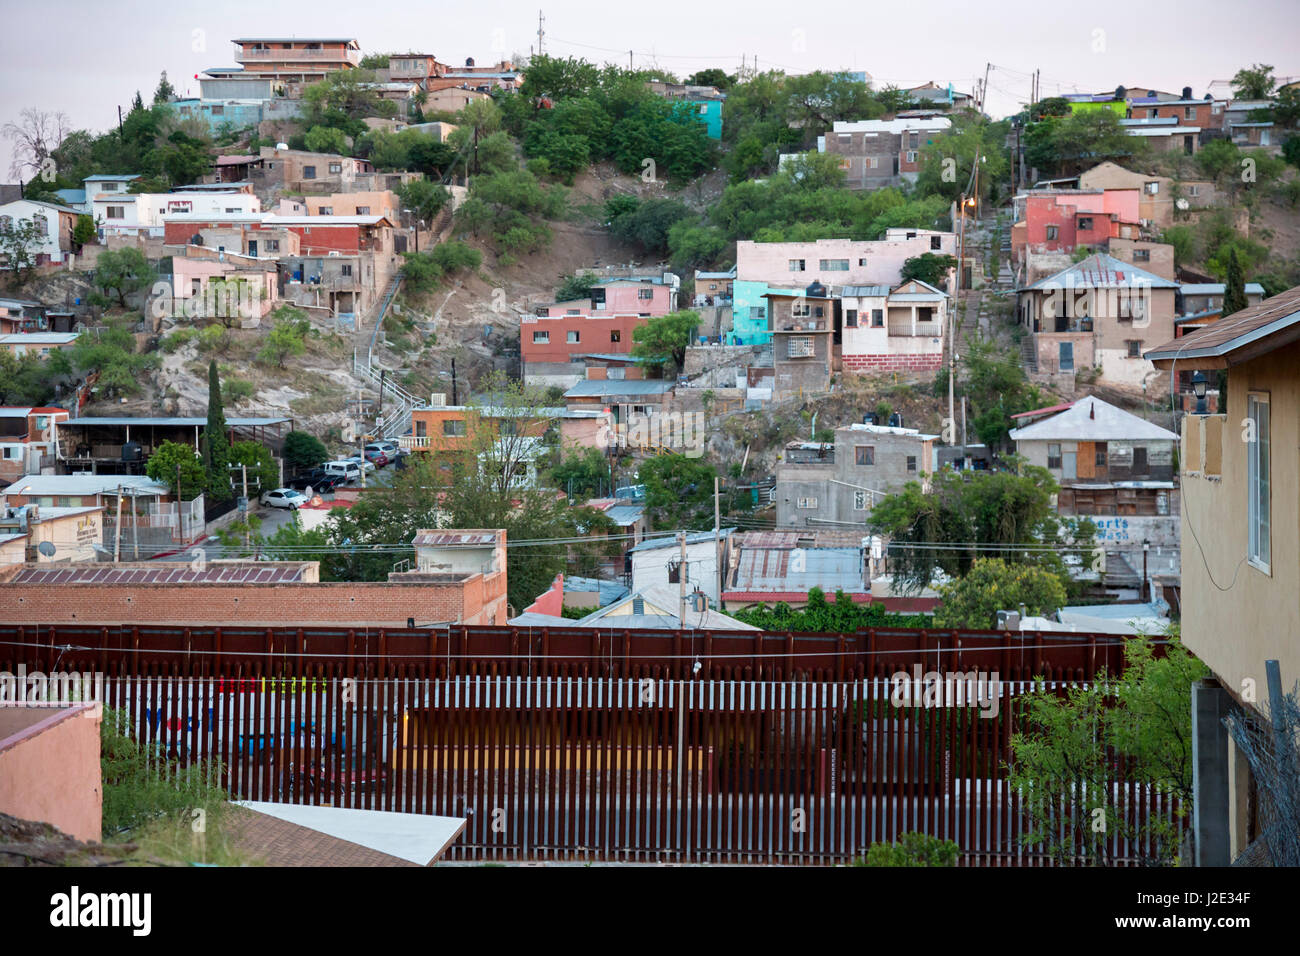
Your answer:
<point x="104" y="53"/>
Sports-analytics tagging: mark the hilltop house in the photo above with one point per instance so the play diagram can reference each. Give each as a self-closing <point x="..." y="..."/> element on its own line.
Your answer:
<point x="54" y="225"/>
<point x="878" y="153"/>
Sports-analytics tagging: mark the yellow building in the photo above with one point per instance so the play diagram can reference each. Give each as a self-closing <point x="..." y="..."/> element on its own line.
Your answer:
<point x="1240" y="593"/>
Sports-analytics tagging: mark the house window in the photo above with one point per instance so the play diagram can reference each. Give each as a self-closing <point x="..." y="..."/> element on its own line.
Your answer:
<point x="911" y="463"/>
<point x="645" y="293"/>
<point x="309" y="172"/>
<point x="911" y="156"/>
<point x="571" y="337"/>
<point x="453" y="428"/>
<point x="1258" y="462"/>
<point x="877" y="318"/>
<point x="862" y="262"/>
<point x="1085" y="223"/>
<point x="800" y="346"/>
<point x="1193" y="191"/>
<point x="1189" y="112"/>
<point x="541" y="338"/>
<point x="345" y="270"/>
<point x="336" y="167"/>
<point x="1140" y="460"/>
<point x="1052" y="233"/>
<point x="834" y="265"/>
<point x="1141" y="255"/>
<point x="800" y="309"/>
<point x="864" y="455"/>
<point x="363" y="210"/>
<point x="1100" y="454"/>
<point x="1053" y="456"/>
<point x="859" y="501"/>
<point x="272" y="245"/>
<point x="327" y="210"/>
<point x="41" y="222"/>
<point x="807" y="503"/>
<point x="873" y="162"/>
<point x="851" y="318"/>
<point x="616" y="335"/>
<point x="1134" y="348"/>
<point x="934" y="242"/>
<point x="797" y="265"/>
<point x="218" y="111"/>
<point x="116" y="212"/>
<point x="1152" y="187"/>
<point x="573" y="312"/>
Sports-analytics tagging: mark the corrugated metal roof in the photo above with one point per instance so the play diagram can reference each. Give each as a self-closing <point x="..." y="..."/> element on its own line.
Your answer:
<point x="600" y="387"/>
<point x="1282" y="312"/>
<point x="1217" y="288"/>
<point x="864" y="291"/>
<point x="769" y="539"/>
<point x="253" y="572"/>
<point x="176" y="421"/>
<point x="1104" y="271"/>
<point x="1091" y="419"/>
<point x="799" y="570"/>
<point x="37" y="485"/>
<point x="625" y="514"/>
<point x="670" y="540"/>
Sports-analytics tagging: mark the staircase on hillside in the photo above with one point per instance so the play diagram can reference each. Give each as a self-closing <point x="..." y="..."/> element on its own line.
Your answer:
<point x="1029" y="353"/>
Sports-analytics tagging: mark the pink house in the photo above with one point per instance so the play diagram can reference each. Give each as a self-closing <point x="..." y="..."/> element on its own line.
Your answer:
<point x="245" y="286"/>
<point x="1061" y="220"/>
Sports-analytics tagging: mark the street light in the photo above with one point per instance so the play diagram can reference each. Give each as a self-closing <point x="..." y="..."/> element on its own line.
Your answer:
<point x="1199" y="382"/>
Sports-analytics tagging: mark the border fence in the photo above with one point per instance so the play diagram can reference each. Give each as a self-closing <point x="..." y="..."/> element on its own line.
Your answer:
<point x="582" y="745"/>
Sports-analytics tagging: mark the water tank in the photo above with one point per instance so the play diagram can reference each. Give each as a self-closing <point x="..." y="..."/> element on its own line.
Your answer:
<point x="132" y="451"/>
<point x="469" y="61"/>
<point x="896" y="420"/>
<point x="281" y="145"/>
<point x="1187" y="92"/>
<point x="816" y="291"/>
<point x="870" y="419"/>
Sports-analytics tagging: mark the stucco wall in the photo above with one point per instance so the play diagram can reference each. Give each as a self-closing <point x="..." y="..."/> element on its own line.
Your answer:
<point x="49" y="767"/>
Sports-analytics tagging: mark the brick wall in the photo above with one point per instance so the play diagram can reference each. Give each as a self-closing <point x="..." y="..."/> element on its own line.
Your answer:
<point x="893" y="363"/>
<point x="362" y="605"/>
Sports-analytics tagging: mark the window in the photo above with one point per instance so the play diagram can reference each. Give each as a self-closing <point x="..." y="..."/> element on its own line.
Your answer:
<point x="571" y="337"/>
<point x="800" y="309"/>
<point x="336" y="167"/>
<point x="911" y="156"/>
<point x="911" y="463"/>
<point x="645" y="293"/>
<point x="453" y="428"/>
<point x="541" y="338"/>
<point x="864" y="455"/>
<point x="873" y="162"/>
<point x="1140" y="460"/>
<point x="1085" y="223"/>
<point x="573" y="312"/>
<point x="877" y="318"/>
<point x="1153" y="113"/>
<point x="41" y="222"/>
<point x="1152" y="187"/>
<point x="796" y="265"/>
<point x="807" y="502"/>
<point x="1100" y="452"/>
<point x="309" y="172"/>
<point x="1189" y="112"/>
<point x="326" y="210"/>
<point x="851" y="318"/>
<point x="1134" y="348"/>
<point x="1193" y="191"/>
<point x="218" y="111"/>
<point x="1052" y="233"/>
<point x="272" y="245"/>
<point x="834" y="265"/>
<point x="800" y="346"/>
<point x="616" y="335"/>
<point x="1053" y="456"/>
<point x="1141" y="255"/>
<point x="363" y="210"/>
<point x="11" y="452"/>
<point x="1258" y="503"/>
<point x="116" y="212"/>
<point x="934" y="242"/>
<point x="862" y="262"/>
<point x="345" y="270"/>
<point x="859" y="501"/>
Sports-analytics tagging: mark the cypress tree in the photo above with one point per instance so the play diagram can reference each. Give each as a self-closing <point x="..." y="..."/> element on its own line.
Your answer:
<point x="1234" y="300"/>
<point x="216" y="445"/>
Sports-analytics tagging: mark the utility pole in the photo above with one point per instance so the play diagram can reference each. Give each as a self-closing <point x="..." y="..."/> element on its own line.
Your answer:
<point x="454" y="395"/>
<point x="135" y="533"/>
<point x="541" y="32"/>
<point x="681" y="579"/>
<point x="117" y="537"/>
<point x="984" y="87"/>
<point x="244" y="469"/>
<point x="717" y="535"/>
<point x="180" y="515"/>
<point x="629" y="59"/>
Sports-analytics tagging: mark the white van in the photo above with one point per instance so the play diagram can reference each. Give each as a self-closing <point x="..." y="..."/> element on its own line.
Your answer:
<point x="347" y="470"/>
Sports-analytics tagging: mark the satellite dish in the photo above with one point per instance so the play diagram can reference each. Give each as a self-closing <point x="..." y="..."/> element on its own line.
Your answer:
<point x="46" y="548"/>
<point x="1182" y="204"/>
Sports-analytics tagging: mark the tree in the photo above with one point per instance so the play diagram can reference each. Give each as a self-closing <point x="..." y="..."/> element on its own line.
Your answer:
<point x="1253" y="82"/>
<point x="84" y="233"/>
<point x="288" y="336"/>
<point x="26" y="380"/>
<point x="327" y="139"/>
<point x="110" y="350"/>
<point x="424" y="198"/>
<point x="342" y="99"/>
<point x="121" y="273"/>
<point x="648" y="224"/>
<point x="929" y="268"/>
<point x="20" y="243"/>
<point x="942" y="531"/>
<point x="663" y="339"/>
<point x="993" y="585"/>
<point x="576" y="287"/>
<point x="172" y="458"/>
<point x="912" y="849"/>
<point x="679" y="491"/>
<point x="1064" y="759"/>
<point x="582" y="473"/>
<point x="184" y="158"/>
<point x="216" y="441"/>
<point x="35" y="137"/>
<point x="263" y="473"/>
<point x="303" y="450"/>
<point x="1089" y="137"/>
<point x="1234" y="290"/>
<point x="713" y="76"/>
<point x="165" y="92"/>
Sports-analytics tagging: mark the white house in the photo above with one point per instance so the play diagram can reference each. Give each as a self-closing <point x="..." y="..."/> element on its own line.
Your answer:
<point x="130" y="214"/>
<point x="657" y="561"/>
<point x="888" y="330"/>
<point x="55" y="223"/>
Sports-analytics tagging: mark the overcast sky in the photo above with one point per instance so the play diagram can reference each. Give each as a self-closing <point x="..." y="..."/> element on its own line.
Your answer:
<point x="86" y="58"/>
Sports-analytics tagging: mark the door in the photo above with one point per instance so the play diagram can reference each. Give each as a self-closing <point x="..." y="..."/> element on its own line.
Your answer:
<point x="1066" y="363"/>
<point x="252" y="247"/>
<point x="1069" y="465"/>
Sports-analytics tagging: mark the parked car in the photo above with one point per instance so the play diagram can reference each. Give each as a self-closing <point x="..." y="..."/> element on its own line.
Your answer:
<point x="345" y="469"/>
<point x="392" y="449"/>
<point x="375" y="454"/>
<point x="360" y="462"/>
<point x="317" y="480"/>
<point x="289" y="498"/>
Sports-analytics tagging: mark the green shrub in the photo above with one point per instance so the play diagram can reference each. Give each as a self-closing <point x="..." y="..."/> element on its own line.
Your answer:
<point x="912" y="849"/>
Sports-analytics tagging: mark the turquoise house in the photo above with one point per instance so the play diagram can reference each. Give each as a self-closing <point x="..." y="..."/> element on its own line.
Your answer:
<point x="749" y="325"/>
